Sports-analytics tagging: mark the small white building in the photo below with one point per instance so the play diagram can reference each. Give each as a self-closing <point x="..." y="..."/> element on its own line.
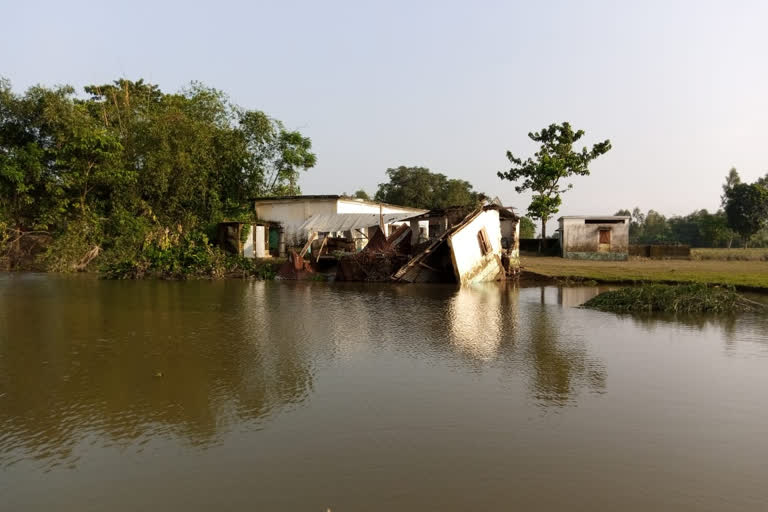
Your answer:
<point x="297" y="216"/>
<point x="594" y="237"/>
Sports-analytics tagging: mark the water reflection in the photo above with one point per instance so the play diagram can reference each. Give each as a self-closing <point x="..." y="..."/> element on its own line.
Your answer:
<point x="535" y="339"/>
<point x="139" y="361"/>
<point x="301" y="396"/>
<point x="83" y="360"/>
<point x="480" y="317"/>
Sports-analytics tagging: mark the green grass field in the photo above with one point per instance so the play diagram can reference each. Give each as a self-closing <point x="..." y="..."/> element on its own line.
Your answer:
<point x="752" y="274"/>
<point x="730" y="254"/>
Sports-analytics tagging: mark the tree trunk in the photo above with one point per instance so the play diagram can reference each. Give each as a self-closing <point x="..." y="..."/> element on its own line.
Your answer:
<point x="543" y="232"/>
<point x="15" y="255"/>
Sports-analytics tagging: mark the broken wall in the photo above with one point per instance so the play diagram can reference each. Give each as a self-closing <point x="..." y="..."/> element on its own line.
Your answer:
<point x="471" y="262"/>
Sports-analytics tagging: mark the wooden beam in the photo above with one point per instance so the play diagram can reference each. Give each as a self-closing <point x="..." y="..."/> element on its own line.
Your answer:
<point x="319" y="251"/>
<point x="312" y="238"/>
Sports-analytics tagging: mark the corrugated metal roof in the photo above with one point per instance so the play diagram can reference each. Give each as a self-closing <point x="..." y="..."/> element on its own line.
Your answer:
<point x="286" y="199"/>
<point x="349" y="221"/>
<point x="596" y="217"/>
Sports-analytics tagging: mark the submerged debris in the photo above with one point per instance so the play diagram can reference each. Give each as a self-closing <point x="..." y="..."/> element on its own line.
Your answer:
<point x="664" y="298"/>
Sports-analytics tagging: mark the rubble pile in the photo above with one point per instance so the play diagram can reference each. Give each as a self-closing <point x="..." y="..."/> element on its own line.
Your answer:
<point x="382" y="257"/>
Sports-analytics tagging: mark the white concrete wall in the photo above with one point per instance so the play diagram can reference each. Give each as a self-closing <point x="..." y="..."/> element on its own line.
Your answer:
<point x="259" y="243"/>
<point x="579" y="237"/>
<point x="510" y="229"/>
<point x="469" y="262"/>
<point x="292" y="213"/>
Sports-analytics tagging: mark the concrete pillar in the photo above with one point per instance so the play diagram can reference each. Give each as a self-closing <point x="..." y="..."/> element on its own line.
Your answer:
<point x="248" y="246"/>
<point x="281" y="242"/>
<point x="415" y="232"/>
<point x="258" y="242"/>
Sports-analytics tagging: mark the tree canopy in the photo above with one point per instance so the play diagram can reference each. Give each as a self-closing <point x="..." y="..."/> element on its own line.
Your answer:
<point x="544" y="173"/>
<point x="746" y="208"/>
<point x="418" y="187"/>
<point x="125" y="160"/>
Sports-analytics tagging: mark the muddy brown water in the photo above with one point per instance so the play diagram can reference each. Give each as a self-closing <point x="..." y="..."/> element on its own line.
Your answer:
<point x="307" y="396"/>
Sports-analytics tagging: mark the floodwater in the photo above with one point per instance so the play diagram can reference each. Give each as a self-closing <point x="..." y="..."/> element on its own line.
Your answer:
<point x="233" y="395"/>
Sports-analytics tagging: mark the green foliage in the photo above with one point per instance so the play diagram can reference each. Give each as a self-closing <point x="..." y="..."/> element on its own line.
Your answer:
<point x="697" y="229"/>
<point x="527" y="228"/>
<point x="554" y="162"/>
<point x="109" y="172"/>
<point x="687" y="298"/>
<point x="747" y="209"/>
<point x="731" y="180"/>
<point x="418" y="187"/>
<point x="361" y="194"/>
<point x="69" y="250"/>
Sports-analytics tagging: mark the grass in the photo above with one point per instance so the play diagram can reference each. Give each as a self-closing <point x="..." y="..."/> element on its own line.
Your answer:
<point x="663" y="298"/>
<point x="748" y="275"/>
<point x="730" y="254"/>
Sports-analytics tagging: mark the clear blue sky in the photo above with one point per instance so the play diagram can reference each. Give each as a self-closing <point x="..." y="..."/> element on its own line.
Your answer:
<point x="680" y="88"/>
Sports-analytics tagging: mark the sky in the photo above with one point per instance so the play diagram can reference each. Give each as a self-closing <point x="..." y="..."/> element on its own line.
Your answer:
<point x="680" y="88"/>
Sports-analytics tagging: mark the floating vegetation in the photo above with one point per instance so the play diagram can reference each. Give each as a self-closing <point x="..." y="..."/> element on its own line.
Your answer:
<point x="684" y="298"/>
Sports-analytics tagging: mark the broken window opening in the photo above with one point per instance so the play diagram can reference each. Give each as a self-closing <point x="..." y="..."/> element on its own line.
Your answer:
<point x="485" y="242"/>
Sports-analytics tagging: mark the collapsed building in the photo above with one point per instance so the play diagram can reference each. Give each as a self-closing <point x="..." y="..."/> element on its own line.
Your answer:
<point x="355" y="242"/>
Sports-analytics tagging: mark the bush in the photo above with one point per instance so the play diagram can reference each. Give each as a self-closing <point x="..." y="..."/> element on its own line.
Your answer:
<point x="76" y="247"/>
<point x="187" y="256"/>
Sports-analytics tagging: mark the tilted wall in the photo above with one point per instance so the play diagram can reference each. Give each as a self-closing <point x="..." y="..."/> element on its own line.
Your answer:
<point x="470" y="265"/>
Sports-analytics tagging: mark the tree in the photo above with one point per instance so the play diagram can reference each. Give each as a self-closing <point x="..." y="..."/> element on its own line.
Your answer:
<point x="747" y="209"/>
<point x="361" y="194"/>
<point x="129" y="164"/>
<point x="30" y="191"/>
<point x="655" y="229"/>
<point x="527" y="228"/>
<point x="418" y="187"/>
<point x="731" y="180"/>
<point x="551" y="164"/>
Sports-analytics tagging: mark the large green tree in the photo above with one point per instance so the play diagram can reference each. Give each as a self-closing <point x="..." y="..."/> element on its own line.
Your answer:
<point x="545" y="172"/>
<point x="418" y="187"/>
<point x="731" y="180"/>
<point x="31" y="191"/>
<point x="128" y="164"/>
<point x="747" y="209"/>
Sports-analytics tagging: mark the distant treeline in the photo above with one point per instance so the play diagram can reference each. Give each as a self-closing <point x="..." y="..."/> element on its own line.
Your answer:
<point x="132" y="174"/>
<point x="742" y="221"/>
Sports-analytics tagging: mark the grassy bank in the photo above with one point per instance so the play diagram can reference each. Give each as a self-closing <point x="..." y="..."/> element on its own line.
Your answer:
<point x="752" y="275"/>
